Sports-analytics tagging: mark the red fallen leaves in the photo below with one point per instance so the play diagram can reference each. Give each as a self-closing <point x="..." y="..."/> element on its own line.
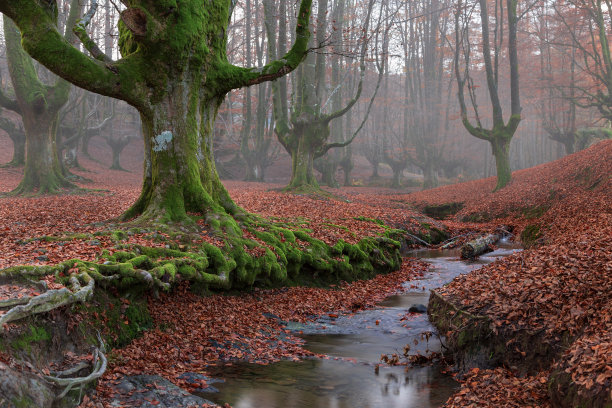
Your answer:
<point x="562" y="287"/>
<point x="203" y="331"/>
<point x="499" y="388"/>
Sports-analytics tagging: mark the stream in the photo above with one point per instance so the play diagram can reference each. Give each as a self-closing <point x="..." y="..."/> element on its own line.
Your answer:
<point x="354" y="344"/>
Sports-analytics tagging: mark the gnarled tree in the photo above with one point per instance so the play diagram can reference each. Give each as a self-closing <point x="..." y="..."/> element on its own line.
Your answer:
<point x="174" y="71"/>
<point x="305" y="134"/>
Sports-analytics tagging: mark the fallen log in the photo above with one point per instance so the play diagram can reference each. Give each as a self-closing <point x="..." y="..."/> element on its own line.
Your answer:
<point x="480" y="245"/>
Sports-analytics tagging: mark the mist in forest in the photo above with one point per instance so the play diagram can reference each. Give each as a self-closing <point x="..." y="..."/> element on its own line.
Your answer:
<point x="375" y="102"/>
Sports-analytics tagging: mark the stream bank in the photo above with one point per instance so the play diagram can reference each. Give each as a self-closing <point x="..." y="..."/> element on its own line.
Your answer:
<point x="349" y="374"/>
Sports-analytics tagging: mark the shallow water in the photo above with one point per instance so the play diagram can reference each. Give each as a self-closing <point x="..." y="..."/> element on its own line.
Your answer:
<point x="354" y="344"/>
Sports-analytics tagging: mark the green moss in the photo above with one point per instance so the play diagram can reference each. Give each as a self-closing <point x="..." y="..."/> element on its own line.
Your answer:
<point x="119" y="317"/>
<point x="118" y="235"/>
<point x="477" y="217"/>
<point x="374" y="220"/>
<point x="534" y="211"/>
<point x="531" y="235"/>
<point x="22" y="402"/>
<point x="37" y="334"/>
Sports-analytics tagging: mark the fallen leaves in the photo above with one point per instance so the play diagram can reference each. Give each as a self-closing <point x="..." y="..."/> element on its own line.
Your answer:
<point x="562" y="289"/>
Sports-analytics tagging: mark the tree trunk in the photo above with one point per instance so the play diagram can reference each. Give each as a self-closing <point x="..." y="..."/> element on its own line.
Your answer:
<point x="327" y="166"/>
<point x="117" y="147"/>
<point x="430" y="175"/>
<point x="39" y="106"/>
<point x="397" y="177"/>
<point x="479" y="246"/>
<point x="501" y="151"/>
<point x="180" y="173"/>
<point x="18" y="150"/>
<point x="374" y="176"/>
<point x="18" y="139"/>
<point x="302" y="164"/>
<point x="42" y="172"/>
<point x="569" y="146"/>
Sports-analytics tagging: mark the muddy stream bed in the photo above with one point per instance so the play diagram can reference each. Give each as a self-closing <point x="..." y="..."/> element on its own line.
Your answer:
<point x="353" y="345"/>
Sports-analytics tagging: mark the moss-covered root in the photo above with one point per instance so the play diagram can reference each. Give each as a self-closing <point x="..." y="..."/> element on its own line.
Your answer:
<point x="51" y="299"/>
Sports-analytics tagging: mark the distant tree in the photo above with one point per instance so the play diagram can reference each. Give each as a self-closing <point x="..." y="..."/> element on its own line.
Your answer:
<point x="589" y="23"/>
<point x="39" y="105"/>
<point x="17" y="136"/>
<point x="500" y="134"/>
<point x="305" y="134"/>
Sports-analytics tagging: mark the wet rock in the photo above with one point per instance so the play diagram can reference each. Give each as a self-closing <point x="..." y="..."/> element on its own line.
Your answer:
<point x="152" y="391"/>
<point x="42" y="258"/>
<point x="21" y="389"/>
<point x="418" y="308"/>
<point x="197" y="378"/>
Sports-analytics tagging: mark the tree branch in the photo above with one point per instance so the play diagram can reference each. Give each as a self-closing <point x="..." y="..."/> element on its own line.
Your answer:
<point x="80" y="30"/>
<point x="41" y="39"/>
<point x="233" y="77"/>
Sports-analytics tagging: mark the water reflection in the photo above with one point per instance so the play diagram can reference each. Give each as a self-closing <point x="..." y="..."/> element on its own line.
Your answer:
<point x="331" y="383"/>
<point x="354" y="343"/>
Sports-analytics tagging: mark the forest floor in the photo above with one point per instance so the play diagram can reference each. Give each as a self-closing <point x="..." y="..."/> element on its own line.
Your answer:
<point x="561" y="285"/>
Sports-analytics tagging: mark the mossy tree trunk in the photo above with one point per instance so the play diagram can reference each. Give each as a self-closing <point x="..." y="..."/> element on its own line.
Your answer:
<point x="501" y="152"/>
<point x="308" y="139"/>
<point x="305" y="134"/>
<point x="39" y="105"/>
<point x="180" y="173"/>
<point x="175" y="71"/>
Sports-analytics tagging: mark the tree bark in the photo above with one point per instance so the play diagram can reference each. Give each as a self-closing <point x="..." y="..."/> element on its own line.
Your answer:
<point x="180" y="173"/>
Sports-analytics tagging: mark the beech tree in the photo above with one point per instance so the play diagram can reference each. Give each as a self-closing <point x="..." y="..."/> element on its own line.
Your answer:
<point x="174" y="71"/>
<point x="39" y="105"/>
<point x="305" y="133"/>
<point x="500" y="134"/>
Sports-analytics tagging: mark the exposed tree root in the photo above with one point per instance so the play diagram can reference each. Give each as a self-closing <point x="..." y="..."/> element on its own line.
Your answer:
<point x="99" y="364"/>
<point x="51" y="299"/>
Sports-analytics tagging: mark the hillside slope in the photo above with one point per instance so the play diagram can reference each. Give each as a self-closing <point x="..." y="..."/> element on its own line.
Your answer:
<point x="547" y="309"/>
